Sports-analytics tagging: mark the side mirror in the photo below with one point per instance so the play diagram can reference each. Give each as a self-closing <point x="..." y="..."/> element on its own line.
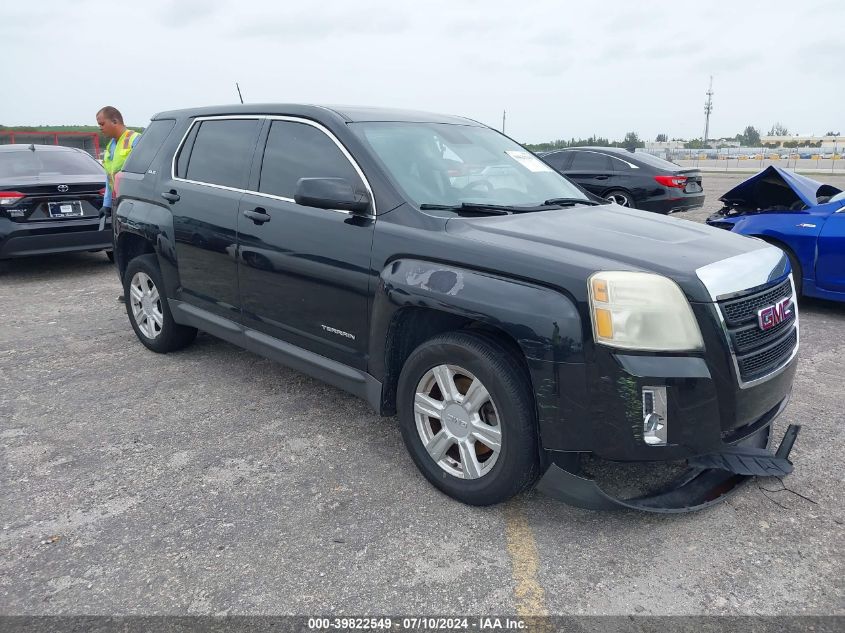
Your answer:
<point x="330" y="193"/>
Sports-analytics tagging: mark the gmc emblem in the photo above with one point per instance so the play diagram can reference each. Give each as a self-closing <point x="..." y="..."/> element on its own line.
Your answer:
<point x="770" y="316"/>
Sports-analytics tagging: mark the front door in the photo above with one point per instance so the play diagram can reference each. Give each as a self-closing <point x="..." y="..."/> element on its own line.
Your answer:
<point x="830" y="265"/>
<point x="212" y="168"/>
<point x="304" y="273"/>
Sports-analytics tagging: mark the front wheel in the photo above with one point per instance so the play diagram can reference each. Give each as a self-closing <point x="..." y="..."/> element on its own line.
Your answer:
<point x="797" y="273"/>
<point x="467" y="418"/>
<point x="147" y="308"/>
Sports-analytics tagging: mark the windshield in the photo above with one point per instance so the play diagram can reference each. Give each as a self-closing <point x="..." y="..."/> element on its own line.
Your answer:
<point x="450" y="165"/>
<point x="27" y="163"/>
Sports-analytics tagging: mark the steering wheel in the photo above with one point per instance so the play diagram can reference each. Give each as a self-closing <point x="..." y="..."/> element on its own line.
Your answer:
<point x="476" y="184"/>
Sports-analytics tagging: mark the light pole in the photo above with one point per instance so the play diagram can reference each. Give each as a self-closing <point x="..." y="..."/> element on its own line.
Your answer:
<point x="708" y="108"/>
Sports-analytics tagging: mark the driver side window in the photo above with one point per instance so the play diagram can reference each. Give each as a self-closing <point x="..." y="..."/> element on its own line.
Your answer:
<point x="298" y="150"/>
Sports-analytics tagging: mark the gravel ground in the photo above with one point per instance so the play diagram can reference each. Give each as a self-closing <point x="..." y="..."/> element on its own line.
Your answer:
<point x="213" y="481"/>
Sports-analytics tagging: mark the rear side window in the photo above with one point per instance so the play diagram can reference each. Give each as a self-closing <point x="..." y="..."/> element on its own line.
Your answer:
<point x="47" y="163"/>
<point x="620" y="165"/>
<point x="147" y="146"/>
<point x="590" y="161"/>
<point x="558" y="160"/>
<point x="298" y="150"/>
<point x="222" y="152"/>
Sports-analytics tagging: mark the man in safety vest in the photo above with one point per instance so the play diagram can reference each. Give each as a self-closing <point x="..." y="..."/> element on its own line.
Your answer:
<point x="121" y="142"/>
<point x="120" y="145"/>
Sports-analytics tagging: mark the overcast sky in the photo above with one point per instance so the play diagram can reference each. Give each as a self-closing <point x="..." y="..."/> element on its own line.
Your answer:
<point x="560" y="69"/>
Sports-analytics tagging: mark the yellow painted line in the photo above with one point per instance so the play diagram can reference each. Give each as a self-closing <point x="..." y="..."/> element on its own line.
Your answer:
<point x="525" y="560"/>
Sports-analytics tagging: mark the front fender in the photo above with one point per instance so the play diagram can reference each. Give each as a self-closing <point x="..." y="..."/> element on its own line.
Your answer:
<point x="544" y="322"/>
<point x="798" y="231"/>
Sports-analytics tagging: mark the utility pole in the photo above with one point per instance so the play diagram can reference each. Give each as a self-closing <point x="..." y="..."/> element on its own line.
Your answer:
<point x="504" y="114"/>
<point x="708" y="108"/>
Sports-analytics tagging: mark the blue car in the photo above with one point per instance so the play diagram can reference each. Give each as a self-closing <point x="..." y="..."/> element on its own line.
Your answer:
<point x="803" y="217"/>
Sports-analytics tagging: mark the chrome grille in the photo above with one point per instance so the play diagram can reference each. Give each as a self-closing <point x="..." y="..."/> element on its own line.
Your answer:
<point x="759" y="352"/>
<point x="765" y="361"/>
<point x="744" y="309"/>
<point x="750" y="336"/>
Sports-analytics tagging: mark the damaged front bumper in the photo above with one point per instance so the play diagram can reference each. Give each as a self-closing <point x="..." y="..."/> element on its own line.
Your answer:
<point x="710" y="478"/>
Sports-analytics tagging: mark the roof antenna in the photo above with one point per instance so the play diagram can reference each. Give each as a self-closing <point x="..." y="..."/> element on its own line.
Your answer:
<point x="239" y="92"/>
<point x="32" y="147"/>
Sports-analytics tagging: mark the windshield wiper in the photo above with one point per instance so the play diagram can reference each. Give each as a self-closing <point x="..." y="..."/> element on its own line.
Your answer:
<point x="566" y="202"/>
<point x="470" y="207"/>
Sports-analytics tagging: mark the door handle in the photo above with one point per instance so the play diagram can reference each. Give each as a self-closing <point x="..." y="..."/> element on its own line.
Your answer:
<point x="258" y="215"/>
<point x="171" y="196"/>
<point x="602" y="177"/>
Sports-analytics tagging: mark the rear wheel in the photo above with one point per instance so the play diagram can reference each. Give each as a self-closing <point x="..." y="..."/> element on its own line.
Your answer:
<point x="467" y="418"/>
<point x="622" y="198"/>
<point x="147" y="308"/>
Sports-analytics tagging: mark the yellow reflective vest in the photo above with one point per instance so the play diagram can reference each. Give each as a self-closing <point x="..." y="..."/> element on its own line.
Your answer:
<point x="116" y="154"/>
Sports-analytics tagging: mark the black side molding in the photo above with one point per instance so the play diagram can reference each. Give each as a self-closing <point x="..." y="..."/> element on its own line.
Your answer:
<point x="742" y="460"/>
<point x="354" y="381"/>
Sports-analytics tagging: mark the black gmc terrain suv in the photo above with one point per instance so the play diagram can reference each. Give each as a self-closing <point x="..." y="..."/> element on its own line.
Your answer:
<point x="439" y="270"/>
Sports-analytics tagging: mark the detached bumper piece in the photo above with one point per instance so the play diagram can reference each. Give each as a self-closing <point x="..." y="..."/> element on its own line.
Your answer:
<point x="710" y="479"/>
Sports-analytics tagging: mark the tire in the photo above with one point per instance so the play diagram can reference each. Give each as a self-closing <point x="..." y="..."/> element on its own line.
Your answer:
<point x="110" y="255"/>
<point x="147" y="308"/>
<point x="471" y="468"/>
<point x="797" y="271"/>
<point x="622" y="198"/>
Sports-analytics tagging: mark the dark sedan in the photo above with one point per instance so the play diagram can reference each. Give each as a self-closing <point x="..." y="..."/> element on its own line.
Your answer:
<point x="636" y="180"/>
<point x="50" y="199"/>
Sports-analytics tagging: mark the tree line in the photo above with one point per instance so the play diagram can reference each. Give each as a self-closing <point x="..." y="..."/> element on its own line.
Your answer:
<point x="749" y="137"/>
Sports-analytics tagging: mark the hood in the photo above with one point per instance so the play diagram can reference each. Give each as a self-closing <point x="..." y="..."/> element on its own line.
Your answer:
<point x="776" y="187"/>
<point x="608" y="237"/>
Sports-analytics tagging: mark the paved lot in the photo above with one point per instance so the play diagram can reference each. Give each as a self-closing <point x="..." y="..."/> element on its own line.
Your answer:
<point x="214" y="481"/>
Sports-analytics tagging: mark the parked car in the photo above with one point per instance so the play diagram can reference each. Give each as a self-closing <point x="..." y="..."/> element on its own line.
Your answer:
<point x="435" y="268"/>
<point x="637" y="180"/>
<point x="50" y="199"/>
<point x="801" y="216"/>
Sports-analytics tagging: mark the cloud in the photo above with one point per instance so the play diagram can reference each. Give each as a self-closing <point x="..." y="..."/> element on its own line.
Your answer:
<point x="329" y="23"/>
<point x="187" y="13"/>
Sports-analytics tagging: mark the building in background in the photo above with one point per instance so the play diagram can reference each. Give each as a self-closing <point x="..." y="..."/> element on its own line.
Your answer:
<point x="832" y="143"/>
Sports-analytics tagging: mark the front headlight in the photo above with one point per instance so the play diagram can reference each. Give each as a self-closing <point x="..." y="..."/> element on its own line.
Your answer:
<point x="642" y="311"/>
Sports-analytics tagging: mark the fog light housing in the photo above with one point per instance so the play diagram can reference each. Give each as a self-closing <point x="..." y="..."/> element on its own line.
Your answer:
<point x="655" y="418"/>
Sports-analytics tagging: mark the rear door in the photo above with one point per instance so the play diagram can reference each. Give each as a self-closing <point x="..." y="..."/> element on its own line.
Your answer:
<point x="830" y="265"/>
<point x="559" y="160"/>
<point x="592" y="171"/>
<point x="210" y="174"/>
<point x="304" y="272"/>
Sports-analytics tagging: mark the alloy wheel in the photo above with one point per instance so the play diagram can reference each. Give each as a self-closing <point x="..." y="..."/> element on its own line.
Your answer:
<point x="619" y="198"/>
<point x="146" y="305"/>
<point x="457" y="421"/>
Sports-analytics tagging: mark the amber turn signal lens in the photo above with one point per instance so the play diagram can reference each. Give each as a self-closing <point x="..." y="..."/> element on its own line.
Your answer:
<point x="600" y="290"/>
<point x="604" y="324"/>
